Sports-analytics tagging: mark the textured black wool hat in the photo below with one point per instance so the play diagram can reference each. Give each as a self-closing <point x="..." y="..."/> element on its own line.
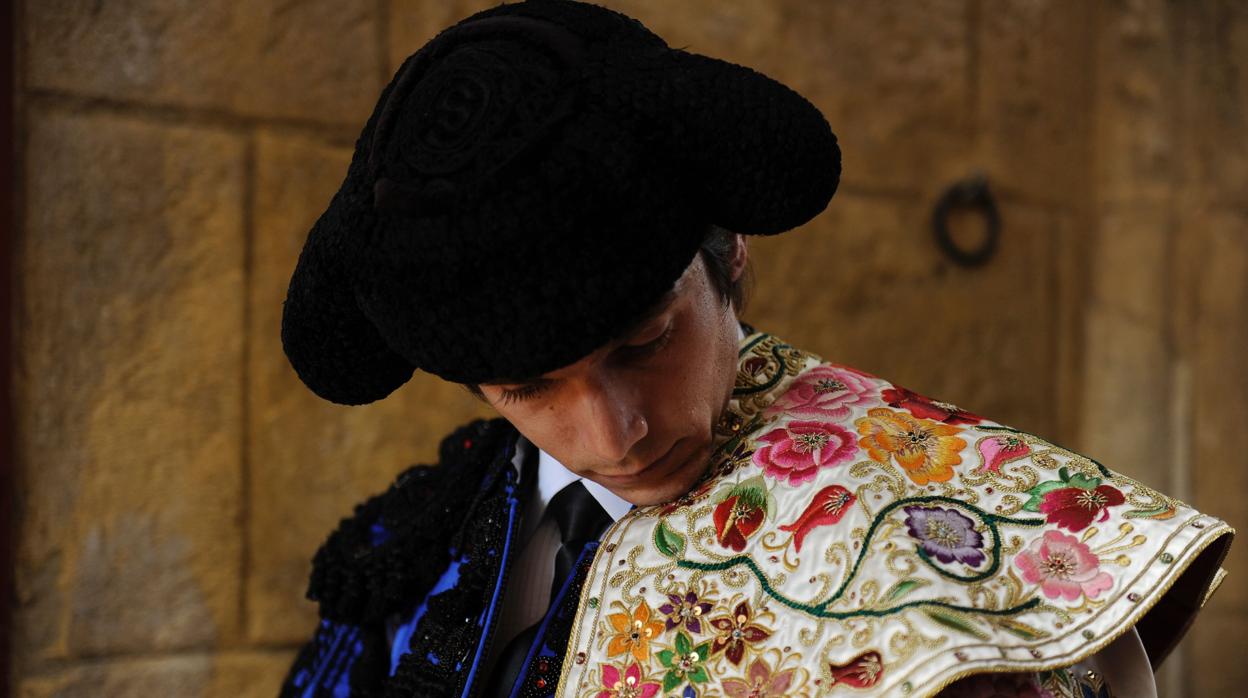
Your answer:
<point x="531" y="182"/>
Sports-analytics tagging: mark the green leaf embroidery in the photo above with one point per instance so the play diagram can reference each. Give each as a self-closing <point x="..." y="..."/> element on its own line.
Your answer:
<point x="699" y="675"/>
<point x="668" y="541"/>
<point x="683" y="643"/>
<point x="667" y="657"/>
<point x="752" y="492"/>
<point x="722" y="493"/>
<point x="955" y="621"/>
<point x="1020" y="629"/>
<point x="671" y="680"/>
<point x="1160" y="512"/>
<point x="902" y="588"/>
<point x="1037" y="493"/>
<point x="1084" y="482"/>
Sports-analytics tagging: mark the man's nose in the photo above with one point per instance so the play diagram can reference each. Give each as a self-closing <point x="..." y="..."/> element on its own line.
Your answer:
<point x="612" y="420"/>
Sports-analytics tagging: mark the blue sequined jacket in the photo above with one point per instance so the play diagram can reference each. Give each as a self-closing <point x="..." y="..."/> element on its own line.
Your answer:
<point x="432" y="552"/>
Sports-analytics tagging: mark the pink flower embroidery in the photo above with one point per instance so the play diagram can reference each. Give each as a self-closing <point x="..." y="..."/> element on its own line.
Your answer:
<point x="629" y="685"/>
<point x="797" y="451"/>
<point x="825" y="392"/>
<point x="760" y="682"/>
<point x="997" y="450"/>
<point x="1063" y="566"/>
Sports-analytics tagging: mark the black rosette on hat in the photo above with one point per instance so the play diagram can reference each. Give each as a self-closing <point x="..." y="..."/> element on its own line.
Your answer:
<point x="531" y="182"/>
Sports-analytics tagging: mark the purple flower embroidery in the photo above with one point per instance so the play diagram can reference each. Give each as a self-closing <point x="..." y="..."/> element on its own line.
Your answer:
<point x="945" y="534"/>
<point x="686" y="611"/>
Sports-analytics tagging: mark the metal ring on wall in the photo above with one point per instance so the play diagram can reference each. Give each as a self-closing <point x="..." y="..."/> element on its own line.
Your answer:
<point x="969" y="193"/>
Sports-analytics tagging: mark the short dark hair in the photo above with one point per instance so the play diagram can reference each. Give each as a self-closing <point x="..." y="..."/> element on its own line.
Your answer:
<point x="717" y="250"/>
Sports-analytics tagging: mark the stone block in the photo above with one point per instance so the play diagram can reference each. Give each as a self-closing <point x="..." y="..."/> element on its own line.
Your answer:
<point x="249" y="674"/>
<point x="226" y="675"/>
<point x="1033" y="117"/>
<point x="1216" y="41"/>
<point x="1220" y="386"/>
<point x="745" y="33"/>
<point x="128" y="386"/>
<point x="866" y="285"/>
<point x="892" y="79"/>
<point x="1127" y="409"/>
<point x="740" y="32"/>
<point x="315" y="60"/>
<point x="1131" y="257"/>
<point x="1217" y="83"/>
<point x="411" y="23"/>
<point x="312" y="460"/>
<point x="1136" y="101"/>
<point x="1215" y="657"/>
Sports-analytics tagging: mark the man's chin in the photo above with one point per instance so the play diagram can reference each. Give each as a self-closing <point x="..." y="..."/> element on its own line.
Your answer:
<point x="670" y="488"/>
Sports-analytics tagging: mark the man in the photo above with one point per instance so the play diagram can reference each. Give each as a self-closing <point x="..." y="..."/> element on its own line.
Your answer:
<point x="549" y="205"/>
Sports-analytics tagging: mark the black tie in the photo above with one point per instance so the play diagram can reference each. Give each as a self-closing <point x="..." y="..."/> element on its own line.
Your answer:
<point x="581" y="519"/>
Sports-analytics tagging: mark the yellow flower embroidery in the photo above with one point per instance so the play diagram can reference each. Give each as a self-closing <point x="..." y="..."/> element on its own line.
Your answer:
<point x="926" y="450"/>
<point x="633" y="632"/>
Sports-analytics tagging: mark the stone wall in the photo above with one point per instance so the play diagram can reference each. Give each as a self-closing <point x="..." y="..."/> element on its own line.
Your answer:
<point x="1164" y="383"/>
<point x="175" y="477"/>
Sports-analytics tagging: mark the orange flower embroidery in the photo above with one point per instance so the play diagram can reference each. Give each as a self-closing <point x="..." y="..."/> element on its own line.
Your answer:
<point x="927" y="450"/>
<point x="633" y="632"/>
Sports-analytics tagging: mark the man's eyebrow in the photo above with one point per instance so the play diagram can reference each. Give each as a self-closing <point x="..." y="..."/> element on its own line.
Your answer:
<point x="656" y="310"/>
<point x="517" y="381"/>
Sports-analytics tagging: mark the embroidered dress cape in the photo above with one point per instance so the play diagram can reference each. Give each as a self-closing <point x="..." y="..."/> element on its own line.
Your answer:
<point x="853" y="538"/>
<point x="857" y="538"/>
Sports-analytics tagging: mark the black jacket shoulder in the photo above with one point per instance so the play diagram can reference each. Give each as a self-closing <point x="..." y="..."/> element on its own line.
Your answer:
<point x="389" y="552"/>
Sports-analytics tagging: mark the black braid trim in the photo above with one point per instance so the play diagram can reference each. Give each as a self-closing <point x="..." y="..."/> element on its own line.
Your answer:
<point x="370" y="669"/>
<point x="357" y="579"/>
<point x="305" y="660"/>
<point x="542" y="674"/>
<point x="446" y="638"/>
<point x="338" y="650"/>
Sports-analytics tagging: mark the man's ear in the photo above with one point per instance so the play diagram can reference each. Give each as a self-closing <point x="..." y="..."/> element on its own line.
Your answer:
<point x="740" y="256"/>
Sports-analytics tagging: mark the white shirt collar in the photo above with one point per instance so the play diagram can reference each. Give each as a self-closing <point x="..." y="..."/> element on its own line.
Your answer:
<point x="552" y="476"/>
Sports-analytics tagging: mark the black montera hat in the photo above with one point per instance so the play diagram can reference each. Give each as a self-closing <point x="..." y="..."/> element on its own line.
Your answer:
<point x="531" y="182"/>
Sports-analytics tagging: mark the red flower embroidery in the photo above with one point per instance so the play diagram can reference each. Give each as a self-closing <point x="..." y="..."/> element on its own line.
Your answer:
<point x="735" y="631"/>
<point x="862" y="671"/>
<point x="1074" y="508"/>
<point x="740" y="514"/>
<point x="827" y="507"/>
<point x="927" y="408"/>
<point x="1074" y="500"/>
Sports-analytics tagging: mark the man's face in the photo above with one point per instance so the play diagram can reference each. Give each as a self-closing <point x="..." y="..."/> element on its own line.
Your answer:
<point x="635" y="416"/>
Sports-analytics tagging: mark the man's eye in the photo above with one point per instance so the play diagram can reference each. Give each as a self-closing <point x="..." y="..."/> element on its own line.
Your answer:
<point x="510" y="395"/>
<point x="654" y="346"/>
